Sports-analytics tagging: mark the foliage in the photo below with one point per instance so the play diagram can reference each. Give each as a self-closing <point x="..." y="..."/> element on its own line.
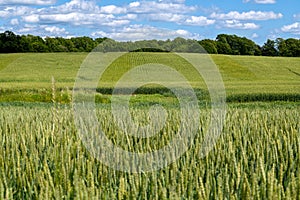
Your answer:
<point x="269" y="48"/>
<point x="232" y="44"/>
<point x="289" y="47"/>
<point x="11" y="43"/>
<point x="224" y="44"/>
<point x="209" y="45"/>
<point x="176" y="45"/>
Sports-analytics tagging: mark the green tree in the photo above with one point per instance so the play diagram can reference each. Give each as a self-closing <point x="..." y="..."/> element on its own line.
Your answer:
<point x="10" y="43"/>
<point x="209" y="45"/>
<point x="84" y="44"/>
<point x="293" y="47"/>
<point x="233" y="44"/>
<point x="54" y="45"/>
<point x="222" y="44"/>
<point x="269" y="48"/>
<point x="281" y="47"/>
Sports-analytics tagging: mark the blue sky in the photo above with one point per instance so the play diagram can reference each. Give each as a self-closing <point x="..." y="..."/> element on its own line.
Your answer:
<point x="258" y="20"/>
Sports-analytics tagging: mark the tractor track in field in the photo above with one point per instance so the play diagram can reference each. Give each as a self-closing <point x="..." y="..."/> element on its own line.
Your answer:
<point x="298" y="74"/>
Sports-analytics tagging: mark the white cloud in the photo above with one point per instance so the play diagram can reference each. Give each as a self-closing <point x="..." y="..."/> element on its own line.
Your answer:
<point x="116" y="23"/>
<point x="199" y="21"/>
<point x="296" y="16"/>
<point x="54" y="30"/>
<point x="27" y="2"/>
<point x="167" y="17"/>
<point x="14" y="22"/>
<point x="31" y="18"/>
<point x="144" y="32"/>
<point x="129" y="16"/>
<point x="4" y="13"/>
<point x="181" y="19"/>
<point x="182" y="32"/>
<point x="265" y="1"/>
<point x="273" y="35"/>
<point x="2" y="29"/>
<point x="77" y="19"/>
<point x="81" y="12"/>
<point x="99" y="34"/>
<point x="112" y="9"/>
<point x="172" y="1"/>
<point x="254" y="35"/>
<point x="251" y="15"/>
<point x="21" y="10"/>
<point x="42" y="30"/>
<point x="73" y="6"/>
<point x="134" y="4"/>
<point x="27" y="28"/>
<point x="13" y="11"/>
<point x="262" y="1"/>
<point x="292" y="28"/>
<point x="235" y="24"/>
<point x="147" y="7"/>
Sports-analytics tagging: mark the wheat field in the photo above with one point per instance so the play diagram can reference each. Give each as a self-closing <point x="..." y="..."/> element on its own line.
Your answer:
<point x="257" y="157"/>
<point x="42" y="155"/>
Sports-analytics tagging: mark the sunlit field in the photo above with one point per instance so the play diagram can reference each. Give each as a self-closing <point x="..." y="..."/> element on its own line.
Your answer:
<point x="256" y="157"/>
<point x="246" y="78"/>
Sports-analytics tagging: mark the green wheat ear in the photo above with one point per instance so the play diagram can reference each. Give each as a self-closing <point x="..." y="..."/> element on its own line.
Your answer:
<point x="53" y="87"/>
<point x="257" y="157"/>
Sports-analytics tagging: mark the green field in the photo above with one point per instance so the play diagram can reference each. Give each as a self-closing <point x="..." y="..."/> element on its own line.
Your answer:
<point x="256" y="157"/>
<point x="30" y="75"/>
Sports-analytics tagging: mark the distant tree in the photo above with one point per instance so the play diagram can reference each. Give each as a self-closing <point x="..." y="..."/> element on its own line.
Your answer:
<point x="222" y="44"/>
<point x="68" y="45"/>
<point x="233" y="44"/>
<point x="10" y="43"/>
<point x="195" y="47"/>
<point x="289" y="47"/>
<point x="209" y="45"/>
<point x="100" y="40"/>
<point x="151" y="44"/>
<point x="248" y="47"/>
<point x="180" y="45"/>
<point x="54" y="45"/>
<point x="292" y="47"/>
<point x="258" y="51"/>
<point x="84" y="44"/>
<point x="36" y="44"/>
<point x="24" y="44"/>
<point x="281" y="47"/>
<point x="269" y="48"/>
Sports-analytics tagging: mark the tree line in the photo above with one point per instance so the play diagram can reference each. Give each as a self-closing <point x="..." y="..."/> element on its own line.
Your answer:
<point x="223" y="44"/>
<point x="235" y="45"/>
<point x="12" y="43"/>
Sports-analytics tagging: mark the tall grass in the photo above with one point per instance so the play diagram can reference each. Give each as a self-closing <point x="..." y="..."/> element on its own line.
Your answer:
<point x="257" y="157"/>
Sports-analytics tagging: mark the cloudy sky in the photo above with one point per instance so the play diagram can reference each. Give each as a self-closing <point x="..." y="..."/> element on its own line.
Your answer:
<point x="152" y="19"/>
